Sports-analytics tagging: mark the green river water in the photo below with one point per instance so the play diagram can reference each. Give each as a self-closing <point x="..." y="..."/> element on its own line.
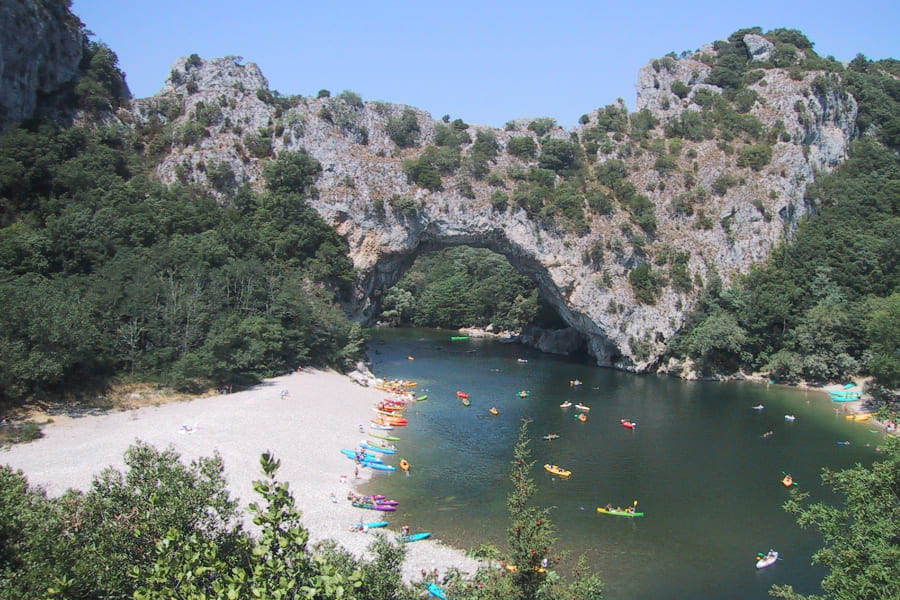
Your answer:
<point x="698" y="463"/>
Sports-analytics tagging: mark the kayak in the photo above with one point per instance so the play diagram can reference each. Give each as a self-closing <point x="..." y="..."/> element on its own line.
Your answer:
<point x="390" y="438"/>
<point x="437" y="591"/>
<point x="557" y="470"/>
<point x="581" y="417"/>
<point x="493" y="411"/>
<point x="788" y="481"/>
<point x="767" y="559"/>
<point x="374" y="506"/>
<point x="404" y="465"/>
<point x="368" y="525"/>
<point x="422" y="397"/>
<point x="461" y="395"/>
<point x="466" y="402"/>
<point x="551" y="436"/>
<point x="581" y="406"/>
<point x="457" y="338"/>
<point x="627" y="423"/>
<point x="376" y="448"/>
<point x="524" y="393"/>
<point x="380" y="466"/>
<point x="380" y="425"/>
<point x="618" y="513"/>
<point x="366" y="456"/>
<point x="565" y="404"/>
<point x="413" y="537"/>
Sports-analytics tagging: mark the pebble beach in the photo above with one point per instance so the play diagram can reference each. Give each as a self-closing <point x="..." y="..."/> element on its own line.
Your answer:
<point x="303" y="418"/>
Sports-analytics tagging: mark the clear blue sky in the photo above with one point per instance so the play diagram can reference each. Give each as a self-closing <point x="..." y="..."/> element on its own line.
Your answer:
<point x="484" y="61"/>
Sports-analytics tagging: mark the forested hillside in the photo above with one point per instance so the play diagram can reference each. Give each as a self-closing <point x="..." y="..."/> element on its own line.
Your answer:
<point x="106" y="273"/>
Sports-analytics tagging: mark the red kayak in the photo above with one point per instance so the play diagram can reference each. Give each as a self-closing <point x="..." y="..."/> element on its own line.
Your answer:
<point x="627" y="423"/>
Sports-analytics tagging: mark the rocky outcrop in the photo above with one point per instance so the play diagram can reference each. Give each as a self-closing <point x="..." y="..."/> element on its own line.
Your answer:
<point x="714" y="215"/>
<point x="39" y="57"/>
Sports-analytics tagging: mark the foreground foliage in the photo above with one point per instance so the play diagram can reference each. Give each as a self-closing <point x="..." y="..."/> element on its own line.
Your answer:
<point x="163" y="530"/>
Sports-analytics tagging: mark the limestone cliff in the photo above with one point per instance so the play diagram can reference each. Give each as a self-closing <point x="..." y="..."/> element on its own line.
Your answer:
<point x="39" y="57"/>
<point x="699" y="204"/>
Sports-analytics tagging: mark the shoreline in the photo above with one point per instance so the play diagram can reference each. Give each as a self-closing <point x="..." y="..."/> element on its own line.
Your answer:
<point x="305" y="430"/>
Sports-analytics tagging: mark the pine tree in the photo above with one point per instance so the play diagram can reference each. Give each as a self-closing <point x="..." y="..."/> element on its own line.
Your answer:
<point x="531" y="533"/>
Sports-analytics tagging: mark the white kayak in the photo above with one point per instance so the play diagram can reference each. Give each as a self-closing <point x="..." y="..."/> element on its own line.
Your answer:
<point x="767" y="560"/>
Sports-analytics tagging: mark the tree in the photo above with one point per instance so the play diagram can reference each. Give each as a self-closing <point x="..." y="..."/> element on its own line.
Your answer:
<point x="861" y="535"/>
<point x="531" y="536"/>
<point x="883" y="337"/>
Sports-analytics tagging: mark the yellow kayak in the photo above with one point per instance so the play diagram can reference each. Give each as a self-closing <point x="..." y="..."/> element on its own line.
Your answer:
<point x="557" y="470"/>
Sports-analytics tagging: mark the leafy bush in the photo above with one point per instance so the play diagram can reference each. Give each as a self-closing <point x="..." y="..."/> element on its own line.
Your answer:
<point x="403" y="130"/>
<point x="756" y="156"/>
<point x="542" y="126"/>
<point x="680" y="89"/>
<point x="523" y="147"/>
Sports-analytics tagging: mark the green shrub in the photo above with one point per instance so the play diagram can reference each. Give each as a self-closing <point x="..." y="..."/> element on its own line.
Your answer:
<point x="523" y="147"/>
<point x="403" y="130"/>
<point x="680" y="89"/>
<point x="542" y="126"/>
<point x="756" y="156"/>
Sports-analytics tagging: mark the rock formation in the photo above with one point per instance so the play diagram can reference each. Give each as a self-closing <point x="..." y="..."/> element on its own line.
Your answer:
<point x="721" y="216"/>
<point x="39" y="57"/>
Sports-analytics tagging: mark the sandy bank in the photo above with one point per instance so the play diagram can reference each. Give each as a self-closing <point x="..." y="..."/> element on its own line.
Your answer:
<point x="306" y="430"/>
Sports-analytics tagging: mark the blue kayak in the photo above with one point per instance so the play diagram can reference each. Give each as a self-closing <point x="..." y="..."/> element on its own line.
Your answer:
<point x="437" y="591"/>
<point x="413" y="537"/>
<point x="376" y="448"/>
<point x="369" y="524"/>
<point x="367" y="456"/>
<point x="379" y="465"/>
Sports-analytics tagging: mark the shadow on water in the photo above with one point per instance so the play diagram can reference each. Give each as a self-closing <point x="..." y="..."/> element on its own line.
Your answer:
<point x="698" y="463"/>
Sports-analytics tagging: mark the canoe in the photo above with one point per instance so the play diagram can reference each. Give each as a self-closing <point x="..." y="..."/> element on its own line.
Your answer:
<point x="404" y="465"/>
<point x="618" y="513"/>
<point x="557" y="470"/>
<point x="366" y="456"/>
<point x="627" y="423"/>
<point x="437" y="591"/>
<point x="493" y="411"/>
<point x="413" y="537"/>
<point x="374" y="506"/>
<point x="767" y="559"/>
<point x="390" y="438"/>
<point x="376" y="448"/>
<point x="379" y="466"/>
<point x="565" y="404"/>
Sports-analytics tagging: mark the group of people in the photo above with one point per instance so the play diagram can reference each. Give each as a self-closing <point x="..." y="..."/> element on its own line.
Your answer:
<point x="628" y="509"/>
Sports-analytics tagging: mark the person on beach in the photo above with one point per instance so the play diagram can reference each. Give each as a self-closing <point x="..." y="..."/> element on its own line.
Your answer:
<point x="404" y="530"/>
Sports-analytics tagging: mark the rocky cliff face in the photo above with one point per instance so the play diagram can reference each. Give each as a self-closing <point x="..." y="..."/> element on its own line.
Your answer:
<point x="718" y="208"/>
<point x="42" y="47"/>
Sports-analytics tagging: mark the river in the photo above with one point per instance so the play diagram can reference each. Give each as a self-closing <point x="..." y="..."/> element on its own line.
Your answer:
<point x="698" y="463"/>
